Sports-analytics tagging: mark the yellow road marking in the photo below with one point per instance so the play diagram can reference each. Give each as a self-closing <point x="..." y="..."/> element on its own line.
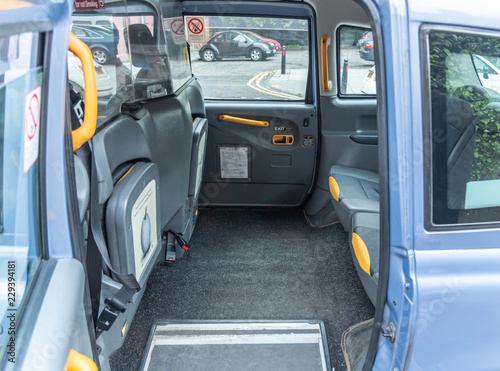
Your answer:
<point x="258" y="78"/>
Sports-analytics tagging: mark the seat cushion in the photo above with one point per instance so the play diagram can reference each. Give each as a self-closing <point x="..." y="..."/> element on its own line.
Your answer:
<point x="365" y="249"/>
<point x="353" y="190"/>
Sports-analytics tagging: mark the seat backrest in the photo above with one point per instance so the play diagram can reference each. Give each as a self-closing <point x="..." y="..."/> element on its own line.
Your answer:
<point x="461" y="109"/>
<point x="196" y="100"/>
<point x="143" y="47"/>
<point x="153" y="79"/>
<point x="476" y="156"/>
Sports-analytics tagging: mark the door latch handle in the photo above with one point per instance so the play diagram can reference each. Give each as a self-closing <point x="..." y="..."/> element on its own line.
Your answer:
<point x="389" y="332"/>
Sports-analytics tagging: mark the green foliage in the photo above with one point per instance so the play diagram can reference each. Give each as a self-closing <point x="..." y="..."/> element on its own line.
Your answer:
<point x="486" y="164"/>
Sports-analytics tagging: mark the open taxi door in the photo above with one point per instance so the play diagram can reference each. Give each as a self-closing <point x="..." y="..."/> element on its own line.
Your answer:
<point x="45" y="323"/>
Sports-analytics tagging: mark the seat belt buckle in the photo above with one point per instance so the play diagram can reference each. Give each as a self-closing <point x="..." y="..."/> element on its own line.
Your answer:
<point x="181" y="241"/>
<point x="168" y="239"/>
<point x="106" y="319"/>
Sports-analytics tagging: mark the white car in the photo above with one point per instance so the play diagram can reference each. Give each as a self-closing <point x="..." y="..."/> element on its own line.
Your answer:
<point x="369" y="86"/>
<point x="105" y="86"/>
<point x="488" y="73"/>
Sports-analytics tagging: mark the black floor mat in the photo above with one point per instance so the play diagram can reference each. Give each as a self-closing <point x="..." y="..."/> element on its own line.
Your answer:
<point x="237" y="345"/>
<point x="249" y="264"/>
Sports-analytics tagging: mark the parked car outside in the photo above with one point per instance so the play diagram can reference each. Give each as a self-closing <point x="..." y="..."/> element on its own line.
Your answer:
<point x="366" y="36"/>
<point x="99" y="39"/>
<point x="366" y="51"/>
<point x="488" y="73"/>
<point x="235" y="44"/>
<point x="275" y="44"/>
<point x="93" y="20"/>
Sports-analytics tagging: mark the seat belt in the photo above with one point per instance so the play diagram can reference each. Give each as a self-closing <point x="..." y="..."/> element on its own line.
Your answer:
<point x="96" y="241"/>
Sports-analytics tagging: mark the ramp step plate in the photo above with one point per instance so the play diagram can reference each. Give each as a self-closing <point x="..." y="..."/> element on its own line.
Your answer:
<point x="237" y="345"/>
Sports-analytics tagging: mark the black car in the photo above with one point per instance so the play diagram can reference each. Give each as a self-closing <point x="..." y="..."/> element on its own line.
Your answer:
<point x="99" y="39"/>
<point x="236" y="44"/>
<point x="366" y="50"/>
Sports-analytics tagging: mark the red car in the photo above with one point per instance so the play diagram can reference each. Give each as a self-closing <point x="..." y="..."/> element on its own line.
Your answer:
<point x="276" y="45"/>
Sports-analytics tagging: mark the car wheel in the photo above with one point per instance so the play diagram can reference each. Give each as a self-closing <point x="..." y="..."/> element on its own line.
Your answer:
<point x="256" y="54"/>
<point x="100" y="56"/>
<point x="209" y="55"/>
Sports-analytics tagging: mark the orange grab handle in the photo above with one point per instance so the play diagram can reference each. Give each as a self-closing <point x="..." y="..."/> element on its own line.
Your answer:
<point x="324" y="62"/>
<point x="87" y="130"/>
<point x="239" y="120"/>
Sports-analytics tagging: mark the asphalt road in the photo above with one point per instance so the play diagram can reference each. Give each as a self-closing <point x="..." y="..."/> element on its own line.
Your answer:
<point x="232" y="78"/>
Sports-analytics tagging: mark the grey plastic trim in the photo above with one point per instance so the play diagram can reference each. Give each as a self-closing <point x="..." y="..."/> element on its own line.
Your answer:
<point x="367" y="139"/>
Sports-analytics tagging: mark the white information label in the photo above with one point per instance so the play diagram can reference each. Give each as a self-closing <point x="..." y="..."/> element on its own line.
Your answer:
<point x="144" y="227"/>
<point x="31" y="127"/>
<point x="234" y="162"/>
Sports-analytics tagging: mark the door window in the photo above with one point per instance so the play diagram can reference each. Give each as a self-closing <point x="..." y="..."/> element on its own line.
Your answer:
<point x="465" y="127"/>
<point x="263" y="58"/>
<point x="21" y="128"/>
<point x="356" y="62"/>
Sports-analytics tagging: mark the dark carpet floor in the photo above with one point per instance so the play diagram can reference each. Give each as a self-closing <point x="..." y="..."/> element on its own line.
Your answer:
<point x="254" y="264"/>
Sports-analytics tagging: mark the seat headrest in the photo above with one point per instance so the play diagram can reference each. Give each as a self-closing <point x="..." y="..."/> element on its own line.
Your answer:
<point x="143" y="46"/>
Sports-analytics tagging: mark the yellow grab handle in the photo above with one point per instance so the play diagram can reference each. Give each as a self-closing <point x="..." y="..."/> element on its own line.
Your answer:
<point x="239" y="120"/>
<point x="87" y="130"/>
<point x="79" y="362"/>
<point x="324" y="62"/>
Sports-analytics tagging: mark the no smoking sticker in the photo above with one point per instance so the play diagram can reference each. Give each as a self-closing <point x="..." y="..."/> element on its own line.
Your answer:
<point x="197" y="30"/>
<point x="176" y="26"/>
<point x="31" y="127"/>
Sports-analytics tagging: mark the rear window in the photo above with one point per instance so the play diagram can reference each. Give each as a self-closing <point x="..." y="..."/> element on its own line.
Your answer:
<point x="250" y="58"/>
<point x="356" y="62"/>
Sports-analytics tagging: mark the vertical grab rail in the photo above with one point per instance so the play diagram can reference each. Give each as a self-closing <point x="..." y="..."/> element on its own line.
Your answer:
<point x="324" y="62"/>
<point x="87" y="130"/>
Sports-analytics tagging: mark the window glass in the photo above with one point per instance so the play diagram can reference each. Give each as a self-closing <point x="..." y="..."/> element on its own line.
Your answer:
<point x="356" y="66"/>
<point x="129" y="63"/>
<point x="178" y="55"/>
<point x="242" y="57"/>
<point x="21" y="104"/>
<point x="465" y="124"/>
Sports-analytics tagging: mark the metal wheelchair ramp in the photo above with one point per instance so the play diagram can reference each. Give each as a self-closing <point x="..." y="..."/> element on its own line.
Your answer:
<point x="237" y="345"/>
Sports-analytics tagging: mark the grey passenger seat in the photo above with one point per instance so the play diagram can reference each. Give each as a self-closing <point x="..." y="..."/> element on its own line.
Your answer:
<point x="365" y="250"/>
<point x="353" y="190"/>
